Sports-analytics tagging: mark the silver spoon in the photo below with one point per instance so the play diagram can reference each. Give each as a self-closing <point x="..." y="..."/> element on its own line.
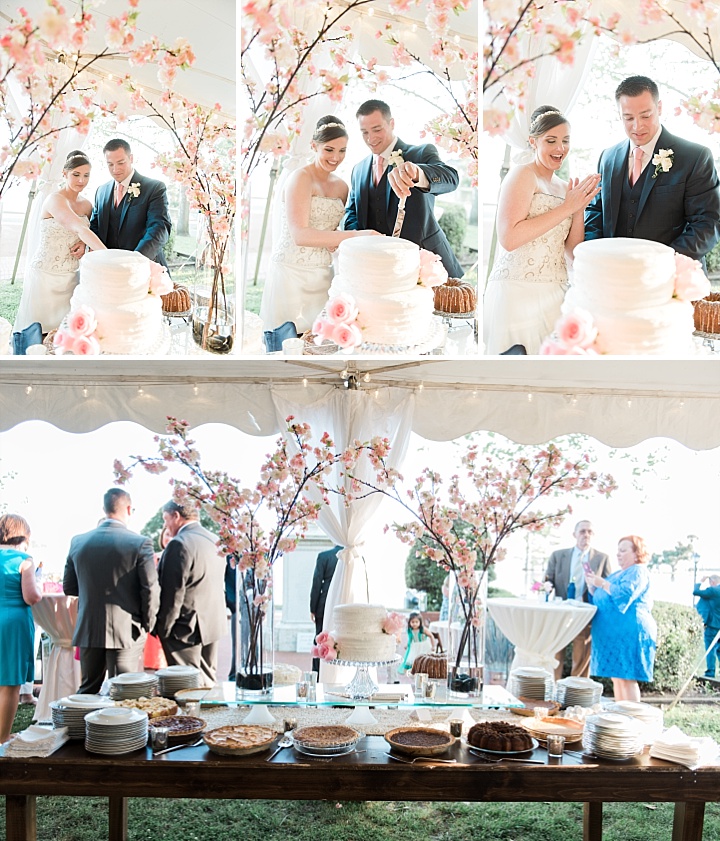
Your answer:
<point x="285" y="742"/>
<point x="179" y="747"/>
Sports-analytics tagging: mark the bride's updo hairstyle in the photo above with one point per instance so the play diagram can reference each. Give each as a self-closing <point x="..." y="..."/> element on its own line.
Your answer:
<point x="329" y="128"/>
<point x="544" y="118"/>
<point x="75" y="159"/>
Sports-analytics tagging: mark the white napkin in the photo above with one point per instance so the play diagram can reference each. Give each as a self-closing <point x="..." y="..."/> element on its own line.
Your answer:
<point x="694" y="752"/>
<point x="37" y="740"/>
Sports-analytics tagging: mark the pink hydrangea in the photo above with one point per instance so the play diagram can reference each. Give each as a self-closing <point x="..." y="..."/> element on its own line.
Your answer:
<point x="691" y="283"/>
<point x="82" y="322"/>
<point x="576" y="329"/>
<point x="432" y="271"/>
<point x="393" y="624"/>
<point x="341" y="309"/>
<point x="347" y="336"/>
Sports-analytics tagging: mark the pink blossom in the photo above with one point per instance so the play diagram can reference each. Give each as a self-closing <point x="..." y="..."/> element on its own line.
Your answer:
<point x="341" y="309"/>
<point x="691" y="283"/>
<point x="82" y="322"/>
<point x="576" y="328"/>
<point x="432" y="271"/>
<point x="347" y="336"/>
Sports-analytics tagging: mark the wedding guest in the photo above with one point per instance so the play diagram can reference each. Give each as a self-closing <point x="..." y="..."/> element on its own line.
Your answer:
<point x="566" y="572"/>
<point x="112" y="571"/>
<point x="623" y="628"/>
<point x="709" y="609"/>
<point x="18" y="591"/>
<point x="377" y="185"/>
<point x="153" y="655"/>
<point x="420" y="640"/>
<point x="539" y="223"/>
<point x="192" y="616"/>
<point x="324" y="570"/>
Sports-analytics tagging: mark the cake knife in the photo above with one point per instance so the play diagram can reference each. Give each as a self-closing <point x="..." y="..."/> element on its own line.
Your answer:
<point x="400" y="218"/>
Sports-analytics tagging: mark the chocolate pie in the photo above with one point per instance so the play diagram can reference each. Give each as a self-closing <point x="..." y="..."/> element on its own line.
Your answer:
<point x="180" y="726"/>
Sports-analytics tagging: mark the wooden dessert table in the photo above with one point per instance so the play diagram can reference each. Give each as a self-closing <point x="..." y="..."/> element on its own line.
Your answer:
<point x="368" y="774"/>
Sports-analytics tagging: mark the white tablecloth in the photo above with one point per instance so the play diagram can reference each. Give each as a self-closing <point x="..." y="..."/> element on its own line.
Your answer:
<point x="56" y="614"/>
<point x="538" y="630"/>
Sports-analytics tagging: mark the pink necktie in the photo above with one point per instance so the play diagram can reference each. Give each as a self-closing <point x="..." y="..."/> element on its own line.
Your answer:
<point x="379" y="168"/>
<point x="119" y="193"/>
<point x="637" y="165"/>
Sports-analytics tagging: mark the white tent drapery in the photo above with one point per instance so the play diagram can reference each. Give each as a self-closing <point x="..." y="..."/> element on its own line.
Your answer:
<point x="349" y="417"/>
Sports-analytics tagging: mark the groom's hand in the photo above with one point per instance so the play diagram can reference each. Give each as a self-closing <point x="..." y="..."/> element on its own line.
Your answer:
<point x="403" y="178"/>
<point x="77" y="249"/>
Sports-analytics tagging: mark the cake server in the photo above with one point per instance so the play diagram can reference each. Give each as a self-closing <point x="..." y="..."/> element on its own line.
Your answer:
<point x="285" y="742"/>
<point x="400" y="218"/>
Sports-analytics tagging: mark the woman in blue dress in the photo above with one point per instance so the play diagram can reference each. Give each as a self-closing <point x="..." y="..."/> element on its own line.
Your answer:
<point x="18" y="591"/>
<point x="624" y="633"/>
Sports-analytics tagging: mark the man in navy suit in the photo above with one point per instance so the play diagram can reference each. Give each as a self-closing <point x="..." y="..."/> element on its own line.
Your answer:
<point x="324" y="571"/>
<point x="678" y="206"/>
<point x="376" y="189"/>
<point x="131" y="211"/>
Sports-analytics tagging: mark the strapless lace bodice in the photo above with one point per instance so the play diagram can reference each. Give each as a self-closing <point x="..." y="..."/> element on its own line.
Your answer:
<point x="53" y="251"/>
<point x="543" y="259"/>
<point x="325" y="215"/>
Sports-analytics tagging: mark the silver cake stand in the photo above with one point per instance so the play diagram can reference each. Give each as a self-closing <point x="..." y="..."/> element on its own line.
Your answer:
<point x="362" y="687"/>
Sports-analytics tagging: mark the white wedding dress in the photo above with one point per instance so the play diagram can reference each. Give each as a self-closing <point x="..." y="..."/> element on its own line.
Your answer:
<point x="300" y="276"/>
<point x="51" y="277"/>
<point x="526" y="288"/>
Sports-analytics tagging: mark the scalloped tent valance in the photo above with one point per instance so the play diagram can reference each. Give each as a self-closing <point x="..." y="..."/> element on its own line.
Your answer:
<point x="619" y="402"/>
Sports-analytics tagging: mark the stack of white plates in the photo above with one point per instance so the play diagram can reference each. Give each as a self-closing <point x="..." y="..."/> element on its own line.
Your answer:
<point x="70" y="712"/>
<point x="612" y="736"/>
<point x="578" y="692"/>
<point x="133" y="685"/>
<point x="174" y="678"/>
<point x="650" y="718"/>
<point x="115" y="730"/>
<point x="531" y="682"/>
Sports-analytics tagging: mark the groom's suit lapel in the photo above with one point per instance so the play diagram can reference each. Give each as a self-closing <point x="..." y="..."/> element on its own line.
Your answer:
<point x="127" y="198"/>
<point x="364" y="175"/>
<point x="663" y="142"/>
<point x="619" y="171"/>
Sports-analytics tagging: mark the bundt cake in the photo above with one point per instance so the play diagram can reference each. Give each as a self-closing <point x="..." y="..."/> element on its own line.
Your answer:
<point x="499" y="736"/>
<point x="455" y="296"/>
<point x="707" y="314"/>
<point x="433" y="665"/>
<point x="178" y="300"/>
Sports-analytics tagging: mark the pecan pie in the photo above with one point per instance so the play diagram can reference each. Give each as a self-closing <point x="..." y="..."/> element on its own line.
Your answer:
<point x="239" y="739"/>
<point x="154" y="707"/>
<point x="326" y="736"/>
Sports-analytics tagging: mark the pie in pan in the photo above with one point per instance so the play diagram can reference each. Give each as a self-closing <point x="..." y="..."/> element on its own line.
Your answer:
<point x="239" y="739"/>
<point x="154" y="707"/>
<point x="419" y="741"/>
<point x="324" y="736"/>
<point x="180" y="726"/>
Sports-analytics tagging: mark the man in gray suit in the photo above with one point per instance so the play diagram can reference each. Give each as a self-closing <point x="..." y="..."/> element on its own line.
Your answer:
<point x="192" y="617"/>
<point x="565" y="570"/>
<point x="112" y="571"/>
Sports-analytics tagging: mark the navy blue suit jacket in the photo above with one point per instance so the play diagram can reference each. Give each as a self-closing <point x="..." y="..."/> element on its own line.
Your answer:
<point x="679" y="208"/>
<point x="420" y="225"/>
<point x="144" y="220"/>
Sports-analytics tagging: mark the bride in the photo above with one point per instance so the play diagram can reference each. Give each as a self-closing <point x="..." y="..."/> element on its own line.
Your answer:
<point x="52" y="271"/>
<point x="540" y="221"/>
<point x="310" y="207"/>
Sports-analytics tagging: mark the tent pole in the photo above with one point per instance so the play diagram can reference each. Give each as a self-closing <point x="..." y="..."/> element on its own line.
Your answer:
<point x="274" y="172"/>
<point x="504" y="169"/>
<point x="31" y="198"/>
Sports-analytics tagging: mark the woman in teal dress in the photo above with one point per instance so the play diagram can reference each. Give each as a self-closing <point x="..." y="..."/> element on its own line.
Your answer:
<point x="18" y="591"/>
<point x="624" y="633"/>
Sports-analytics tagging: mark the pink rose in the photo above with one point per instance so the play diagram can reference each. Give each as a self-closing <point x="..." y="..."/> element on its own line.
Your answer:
<point x="552" y="348"/>
<point x="61" y="340"/>
<point x="82" y="322"/>
<point x="347" y="335"/>
<point x="576" y="328"/>
<point x="322" y="330"/>
<point x="432" y="271"/>
<point x="341" y="310"/>
<point x="86" y="346"/>
<point x="160" y="283"/>
<point x="325" y="652"/>
<point x="393" y="623"/>
<point x="322" y="637"/>
<point x="691" y="284"/>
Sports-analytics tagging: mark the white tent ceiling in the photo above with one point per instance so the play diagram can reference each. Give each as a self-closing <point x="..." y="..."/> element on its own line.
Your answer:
<point x="208" y="25"/>
<point x="619" y="402"/>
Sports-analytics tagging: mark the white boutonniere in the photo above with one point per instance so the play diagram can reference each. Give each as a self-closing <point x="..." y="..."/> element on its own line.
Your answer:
<point x="663" y="161"/>
<point x="396" y="158"/>
<point x="134" y="190"/>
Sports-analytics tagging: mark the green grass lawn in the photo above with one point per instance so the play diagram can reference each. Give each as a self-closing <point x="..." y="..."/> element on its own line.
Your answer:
<point x="85" y="819"/>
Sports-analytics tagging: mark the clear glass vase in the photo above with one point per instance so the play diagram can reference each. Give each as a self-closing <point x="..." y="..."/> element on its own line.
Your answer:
<point x="255" y="650"/>
<point x="213" y="323"/>
<point x="466" y="648"/>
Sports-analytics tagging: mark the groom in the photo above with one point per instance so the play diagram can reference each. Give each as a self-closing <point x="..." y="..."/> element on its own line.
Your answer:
<point x="375" y="188"/>
<point x="131" y="211"/>
<point x="677" y="204"/>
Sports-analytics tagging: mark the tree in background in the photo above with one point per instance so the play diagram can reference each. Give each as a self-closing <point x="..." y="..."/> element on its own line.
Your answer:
<point x="679" y="556"/>
<point x="154" y="526"/>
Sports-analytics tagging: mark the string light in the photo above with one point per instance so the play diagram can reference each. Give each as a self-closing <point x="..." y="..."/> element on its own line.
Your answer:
<point x="196" y="390"/>
<point x="140" y="391"/>
<point x="377" y="393"/>
<point x="682" y="404"/>
<point x="344" y="374"/>
<point x="85" y="391"/>
<point x="421" y="386"/>
<point x="366" y="377"/>
<point x="414" y="27"/>
<point x="629" y="404"/>
<point x="305" y="382"/>
<point x="371" y="12"/>
<point x="28" y="389"/>
<point x="530" y="397"/>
